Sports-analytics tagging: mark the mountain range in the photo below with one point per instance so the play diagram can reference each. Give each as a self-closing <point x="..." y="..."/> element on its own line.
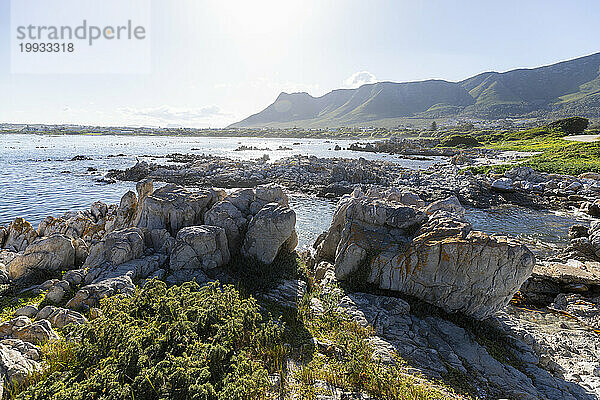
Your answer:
<point x="561" y="89"/>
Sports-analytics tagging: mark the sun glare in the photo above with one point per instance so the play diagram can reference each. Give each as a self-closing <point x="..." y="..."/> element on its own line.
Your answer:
<point x="247" y="19"/>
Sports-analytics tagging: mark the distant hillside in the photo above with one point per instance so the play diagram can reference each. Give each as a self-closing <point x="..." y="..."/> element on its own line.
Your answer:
<point x="565" y="88"/>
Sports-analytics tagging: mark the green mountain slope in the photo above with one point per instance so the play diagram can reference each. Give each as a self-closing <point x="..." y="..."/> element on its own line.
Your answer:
<point x="554" y="90"/>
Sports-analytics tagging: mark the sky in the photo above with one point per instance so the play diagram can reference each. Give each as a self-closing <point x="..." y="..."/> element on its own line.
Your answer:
<point x="213" y="63"/>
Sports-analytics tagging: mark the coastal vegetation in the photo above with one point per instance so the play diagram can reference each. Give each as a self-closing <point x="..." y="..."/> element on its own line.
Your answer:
<point x="553" y="153"/>
<point x="212" y="342"/>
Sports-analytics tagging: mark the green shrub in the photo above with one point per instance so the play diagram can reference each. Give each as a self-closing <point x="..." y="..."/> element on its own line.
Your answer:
<point x="571" y="126"/>
<point x="183" y="342"/>
<point x="460" y="141"/>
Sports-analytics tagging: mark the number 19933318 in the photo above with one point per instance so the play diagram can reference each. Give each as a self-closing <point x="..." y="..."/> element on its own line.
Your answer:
<point x="46" y="47"/>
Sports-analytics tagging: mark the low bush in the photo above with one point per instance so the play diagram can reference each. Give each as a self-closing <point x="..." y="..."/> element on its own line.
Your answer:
<point x="571" y="126"/>
<point x="183" y="342"/>
<point x="460" y="141"/>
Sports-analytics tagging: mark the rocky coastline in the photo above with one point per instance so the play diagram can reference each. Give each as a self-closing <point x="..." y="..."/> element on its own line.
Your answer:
<point x="473" y="310"/>
<point x="335" y="177"/>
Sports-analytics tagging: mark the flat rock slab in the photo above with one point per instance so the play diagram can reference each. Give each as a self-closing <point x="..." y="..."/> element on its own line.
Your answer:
<point x="571" y="272"/>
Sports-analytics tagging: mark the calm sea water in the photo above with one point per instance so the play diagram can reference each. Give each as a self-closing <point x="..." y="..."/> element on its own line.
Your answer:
<point x="38" y="178"/>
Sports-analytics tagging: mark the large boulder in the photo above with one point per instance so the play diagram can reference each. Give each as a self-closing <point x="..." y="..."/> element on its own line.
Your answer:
<point x="18" y="360"/>
<point x="235" y="212"/>
<point x="19" y="234"/>
<point x="73" y="224"/>
<point x="432" y="255"/>
<point x="384" y="216"/>
<point x="90" y="295"/>
<point x="144" y="189"/>
<point x="116" y="248"/>
<point x="61" y="317"/>
<point x="227" y="216"/>
<point x="47" y="254"/>
<point x="270" y="231"/>
<point x="38" y="332"/>
<point x="173" y="207"/>
<point x="200" y="247"/>
<point x="137" y="269"/>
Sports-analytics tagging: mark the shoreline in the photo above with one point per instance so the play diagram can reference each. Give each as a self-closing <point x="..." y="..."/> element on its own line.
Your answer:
<point x="406" y="251"/>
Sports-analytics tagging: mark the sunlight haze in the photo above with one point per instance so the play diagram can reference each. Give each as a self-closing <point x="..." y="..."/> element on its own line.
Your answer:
<point x="216" y="62"/>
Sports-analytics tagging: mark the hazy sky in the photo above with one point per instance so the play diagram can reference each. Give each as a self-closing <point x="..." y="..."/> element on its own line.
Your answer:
<point x="215" y="62"/>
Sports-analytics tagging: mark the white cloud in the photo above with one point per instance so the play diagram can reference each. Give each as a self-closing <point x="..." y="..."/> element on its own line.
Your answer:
<point x="358" y="79"/>
<point x="204" y="116"/>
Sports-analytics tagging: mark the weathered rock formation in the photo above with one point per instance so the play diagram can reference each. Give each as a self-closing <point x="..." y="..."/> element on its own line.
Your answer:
<point x="200" y="247"/>
<point x="45" y="254"/>
<point x="431" y="253"/>
<point x="117" y="248"/>
<point x="18" y="235"/>
<point x="270" y="231"/>
<point x="18" y="359"/>
<point x="173" y="207"/>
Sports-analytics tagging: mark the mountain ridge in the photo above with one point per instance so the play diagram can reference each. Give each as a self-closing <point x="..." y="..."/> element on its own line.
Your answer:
<point x="563" y="88"/>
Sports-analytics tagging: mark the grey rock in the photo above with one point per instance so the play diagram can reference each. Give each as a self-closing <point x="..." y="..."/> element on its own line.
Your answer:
<point x="19" y="234"/>
<point x="235" y="212"/>
<point x="286" y="293"/>
<point x="134" y="269"/>
<point x="34" y="332"/>
<point x="436" y="258"/>
<point x="61" y="317"/>
<point x="4" y="278"/>
<point x="46" y="254"/>
<point x="79" y="224"/>
<point x="116" y="248"/>
<point x="18" y="359"/>
<point x="29" y="311"/>
<point x="503" y="185"/>
<point x="270" y="231"/>
<point x="90" y="295"/>
<point x="56" y="294"/>
<point x="74" y="277"/>
<point x="99" y="210"/>
<point x="173" y="207"/>
<point x="451" y="205"/>
<point x="200" y="247"/>
<point x="431" y="345"/>
<point x="187" y="275"/>
<point x="162" y="241"/>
